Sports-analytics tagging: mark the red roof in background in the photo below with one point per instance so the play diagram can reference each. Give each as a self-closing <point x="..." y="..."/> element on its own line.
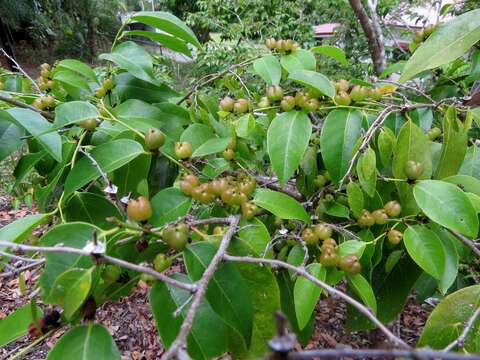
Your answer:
<point x="325" y="29"/>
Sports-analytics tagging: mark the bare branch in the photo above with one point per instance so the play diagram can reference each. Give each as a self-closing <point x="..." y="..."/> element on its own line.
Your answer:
<point x="331" y="290"/>
<point x="19" y="270"/>
<point x="20" y="104"/>
<point x="460" y="341"/>
<point x="19" y="68"/>
<point x="424" y="354"/>
<point x="105" y="258"/>
<point x="180" y="342"/>
<point x="469" y="243"/>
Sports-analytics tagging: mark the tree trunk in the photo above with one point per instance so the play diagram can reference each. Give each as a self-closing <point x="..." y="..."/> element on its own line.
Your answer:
<point x="375" y="46"/>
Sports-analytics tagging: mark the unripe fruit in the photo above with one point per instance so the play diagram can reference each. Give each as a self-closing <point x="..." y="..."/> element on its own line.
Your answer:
<point x="108" y="84"/>
<point x="249" y="210"/>
<point x="88" y="124"/>
<point x="366" y="219"/>
<point x="320" y="181"/>
<point x="226" y="104"/>
<point x="393" y="209"/>
<point x="350" y="264"/>
<point x="176" y="239"/>
<point x="45" y="66"/>
<point x="429" y="29"/>
<point x="329" y="243"/>
<point x="300" y="99"/>
<point x="323" y="231"/>
<point x="183" y="149"/>
<point x="357" y="94"/>
<point x="182" y="227"/>
<point x="274" y="93"/>
<point x="434" y="133"/>
<point x="264" y="102"/>
<point x="192" y="179"/>
<point x="328" y="257"/>
<point x="418" y="36"/>
<point x="342" y="85"/>
<point x="203" y="194"/>
<point x="218" y="186"/>
<point x="329" y="198"/>
<point x="111" y="273"/>
<point x="376" y="94"/>
<point x="413" y="169"/>
<point x="247" y="185"/>
<point x="309" y="236"/>
<point x="48" y="101"/>
<point x="228" y="154"/>
<point x="394" y="236"/>
<point x="38" y="103"/>
<point x="2" y="85"/>
<point x="288" y="45"/>
<point x="100" y="92"/>
<point x="380" y="216"/>
<point x="218" y="230"/>
<point x="311" y="105"/>
<point x="51" y="84"/>
<point x="287" y="103"/>
<point x="140" y="209"/>
<point x="232" y="143"/>
<point x="241" y="106"/>
<point x="44" y="73"/>
<point x="231" y="196"/>
<point x="281" y="45"/>
<point x="154" y="139"/>
<point x="161" y="262"/>
<point x="271" y="43"/>
<point x="342" y="99"/>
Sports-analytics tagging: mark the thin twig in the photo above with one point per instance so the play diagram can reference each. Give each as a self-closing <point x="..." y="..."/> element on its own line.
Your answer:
<point x="105" y="258"/>
<point x="16" y="271"/>
<point x="460" y="341"/>
<point x="20" y="104"/>
<point x="331" y="290"/>
<point x="16" y="257"/>
<point x="180" y="342"/>
<point x="19" y="68"/>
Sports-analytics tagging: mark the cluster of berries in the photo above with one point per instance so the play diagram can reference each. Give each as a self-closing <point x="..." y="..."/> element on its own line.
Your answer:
<point x="282" y="46"/>
<point x="45" y="81"/>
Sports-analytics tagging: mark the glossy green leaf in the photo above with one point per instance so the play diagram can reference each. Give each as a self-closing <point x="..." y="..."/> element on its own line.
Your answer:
<point x="131" y="176"/>
<point x="465" y="182"/>
<point x="73" y="112"/>
<point x="363" y="289"/>
<point x="109" y="156"/>
<point x="85" y="342"/>
<point x="211" y="146"/>
<point x="447" y="205"/>
<point x="227" y="292"/>
<point x="386" y="143"/>
<point x="318" y="82"/>
<point x="412" y="144"/>
<point x="78" y="67"/>
<point x="287" y="140"/>
<point x="448" y="319"/>
<point x="169" y="205"/>
<point x="367" y="171"/>
<point x="91" y="208"/>
<point x="75" y="85"/>
<point x="36" y="124"/>
<point x="197" y="135"/>
<point x="337" y="209"/>
<point x="206" y="340"/>
<point x="21" y="228"/>
<point x="268" y="68"/>
<point x="245" y="125"/>
<point x="26" y="164"/>
<point x="9" y="137"/>
<point x="447" y="43"/>
<point x="471" y="162"/>
<point x="168" y="23"/>
<point x="299" y="59"/>
<point x="131" y="87"/>
<point x="339" y="134"/>
<point x="392" y="260"/>
<point x="165" y="40"/>
<point x="70" y="290"/>
<point x="256" y="236"/>
<point x="451" y="260"/>
<point x="351" y="247"/>
<point x="280" y="204"/>
<point x="426" y="249"/>
<point x="306" y="294"/>
<point x="331" y="51"/>
<point x="355" y="198"/>
<point x="15" y="325"/>
<point x="134" y="59"/>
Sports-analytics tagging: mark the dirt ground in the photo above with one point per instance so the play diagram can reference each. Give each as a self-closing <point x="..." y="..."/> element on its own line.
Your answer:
<point x="131" y="322"/>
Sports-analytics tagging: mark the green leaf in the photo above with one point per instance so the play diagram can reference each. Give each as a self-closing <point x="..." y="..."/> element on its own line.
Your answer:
<point x="75" y="235"/>
<point x="130" y="87"/>
<point x="165" y="40"/>
<point x="287" y="139"/>
<point x="333" y="52"/>
<point x="393" y="260"/>
<point x="337" y="209"/>
<point x="168" y="23"/>
<point x="314" y="80"/>
<point x="306" y="294"/>
<point x="363" y="289"/>
<point x="9" y="137"/>
<point x="454" y="145"/>
<point x="77" y="67"/>
<point x="412" y="144"/>
<point x="130" y="177"/>
<point x="245" y="125"/>
<point x="268" y="68"/>
<point x="448" y="319"/>
<point x="355" y="198"/>
<point x="447" y="205"/>
<point x="465" y="182"/>
<point x="451" y="260"/>
<point x="85" y="342"/>
<point x="299" y="59"/>
<point x="447" y="43"/>
<point x="36" y="124"/>
<point x="20" y="229"/>
<point x="281" y="205"/>
<point x="197" y="135"/>
<point x="75" y="85"/>
<point x="227" y="292"/>
<point x="339" y="134"/>
<point x="471" y="162"/>
<point x="211" y="146"/>
<point x="206" y="340"/>
<point x="91" y="208"/>
<point x="134" y="59"/>
<point x="367" y="171"/>
<point x="396" y="67"/>
<point x="15" y="325"/>
<point x="26" y="164"/>
<point x="73" y="112"/>
<point x="109" y="156"/>
<point x="169" y="205"/>
<point x="386" y="143"/>
<point x="256" y="236"/>
<point x="351" y="247"/>
<point x="426" y="249"/>
<point x="70" y="290"/>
